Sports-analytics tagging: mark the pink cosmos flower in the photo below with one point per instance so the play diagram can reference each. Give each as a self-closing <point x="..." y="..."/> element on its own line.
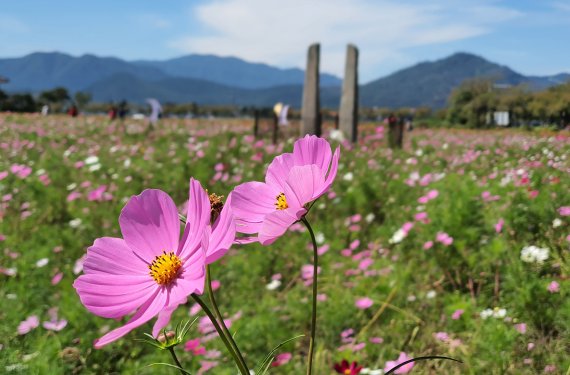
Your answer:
<point x="195" y="347"/>
<point x="27" y="325"/>
<point x="444" y="238"/>
<point x="281" y="359"/>
<point x="553" y="287"/>
<point x="521" y="328"/>
<point x="364" y="303"/>
<point x="499" y="225"/>
<point x="402" y="370"/>
<point x="457" y="314"/>
<point x="56" y="278"/>
<point x="151" y="270"/>
<point x="292" y="181"/>
<point x="564" y="211"/>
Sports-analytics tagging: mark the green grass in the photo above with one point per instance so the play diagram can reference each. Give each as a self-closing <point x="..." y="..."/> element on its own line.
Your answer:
<point x="481" y="269"/>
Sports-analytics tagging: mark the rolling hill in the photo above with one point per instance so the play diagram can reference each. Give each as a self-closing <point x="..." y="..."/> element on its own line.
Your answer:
<point x="207" y="79"/>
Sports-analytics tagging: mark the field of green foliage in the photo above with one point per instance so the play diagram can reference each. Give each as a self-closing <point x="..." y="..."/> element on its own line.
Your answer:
<point x="457" y="245"/>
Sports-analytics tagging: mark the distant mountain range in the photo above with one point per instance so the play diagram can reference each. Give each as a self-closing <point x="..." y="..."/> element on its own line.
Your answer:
<point x="208" y="79"/>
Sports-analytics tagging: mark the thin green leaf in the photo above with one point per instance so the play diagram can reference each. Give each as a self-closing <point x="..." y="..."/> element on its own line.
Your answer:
<point x="419" y="359"/>
<point x="269" y="357"/>
<point x="169" y="365"/>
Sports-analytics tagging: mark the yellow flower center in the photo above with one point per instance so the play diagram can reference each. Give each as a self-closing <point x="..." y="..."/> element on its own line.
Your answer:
<point x="347" y="371"/>
<point x="164" y="268"/>
<point x="281" y="203"/>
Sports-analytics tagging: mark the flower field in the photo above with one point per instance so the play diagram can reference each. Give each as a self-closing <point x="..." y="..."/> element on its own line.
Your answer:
<point x="457" y="245"/>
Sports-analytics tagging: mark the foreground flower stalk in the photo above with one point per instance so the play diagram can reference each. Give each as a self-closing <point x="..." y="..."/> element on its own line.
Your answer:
<point x="227" y="333"/>
<point x="314" y="308"/>
<point x="175" y="358"/>
<point x="243" y="370"/>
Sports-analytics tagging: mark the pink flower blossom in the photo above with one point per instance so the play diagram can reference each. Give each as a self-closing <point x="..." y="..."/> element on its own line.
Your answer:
<point x="432" y="194"/>
<point x="553" y="287"/>
<point x="73" y="196"/>
<point x="206" y="366"/>
<point x="292" y="180"/>
<point x="521" y="328"/>
<point x="499" y="225"/>
<point x="376" y="340"/>
<point x="444" y="238"/>
<point x="428" y="245"/>
<point x="116" y="280"/>
<point x="402" y="370"/>
<point x="457" y="314"/>
<point x="281" y="359"/>
<point x="564" y="211"/>
<point x="421" y="216"/>
<point x="29" y="324"/>
<point x="57" y="278"/>
<point x="364" y="303"/>
<point x="194" y="347"/>
<point x="55" y="325"/>
<point x="407" y="227"/>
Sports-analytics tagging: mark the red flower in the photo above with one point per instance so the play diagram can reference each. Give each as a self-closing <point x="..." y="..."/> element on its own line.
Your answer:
<point x="347" y="369"/>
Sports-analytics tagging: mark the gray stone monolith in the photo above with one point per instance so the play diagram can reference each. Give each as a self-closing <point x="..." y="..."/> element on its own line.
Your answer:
<point x="310" y="112"/>
<point x="348" y="112"/>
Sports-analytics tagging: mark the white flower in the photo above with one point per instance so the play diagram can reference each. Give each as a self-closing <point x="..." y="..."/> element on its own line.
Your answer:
<point x="127" y="163"/>
<point x="91" y="160"/>
<point x="348" y="177"/>
<point x="499" y="313"/>
<point x="419" y="152"/>
<point x="370" y="218"/>
<point x="71" y="186"/>
<point x="337" y="135"/>
<point x="487" y="313"/>
<point x="75" y="223"/>
<point x="12" y="271"/>
<point x="534" y="254"/>
<point x="411" y="298"/>
<point x="431" y="294"/>
<point x="274" y="284"/>
<point x="94" y="167"/>
<point x="42" y="262"/>
<point x="398" y="236"/>
<point x="369" y="371"/>
<point x="320" y="238"/>
<point x="556" y="223"/>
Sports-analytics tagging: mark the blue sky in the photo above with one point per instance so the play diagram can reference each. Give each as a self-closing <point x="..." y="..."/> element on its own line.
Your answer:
<point x="529" y="36"/>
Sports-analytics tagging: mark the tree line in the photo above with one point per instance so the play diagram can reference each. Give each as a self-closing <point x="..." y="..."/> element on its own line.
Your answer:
<point x="57" y="99"/>
<point x="473" y="102"/>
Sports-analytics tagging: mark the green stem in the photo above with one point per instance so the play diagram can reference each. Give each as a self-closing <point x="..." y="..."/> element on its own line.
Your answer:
<point x="171" y="350"/>
<point x="221" y="319"/>
<point x="220" y="333"/>
<point x="314" y="312"/>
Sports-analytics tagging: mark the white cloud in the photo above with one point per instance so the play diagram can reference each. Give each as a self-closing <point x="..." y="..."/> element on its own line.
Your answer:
<point x="280" y="32"/>
<point x="11" y="24"/>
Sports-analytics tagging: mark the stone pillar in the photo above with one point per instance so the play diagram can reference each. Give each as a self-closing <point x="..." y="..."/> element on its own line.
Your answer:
<point x="310" y="119"/>
<point x="348" y="112"/>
